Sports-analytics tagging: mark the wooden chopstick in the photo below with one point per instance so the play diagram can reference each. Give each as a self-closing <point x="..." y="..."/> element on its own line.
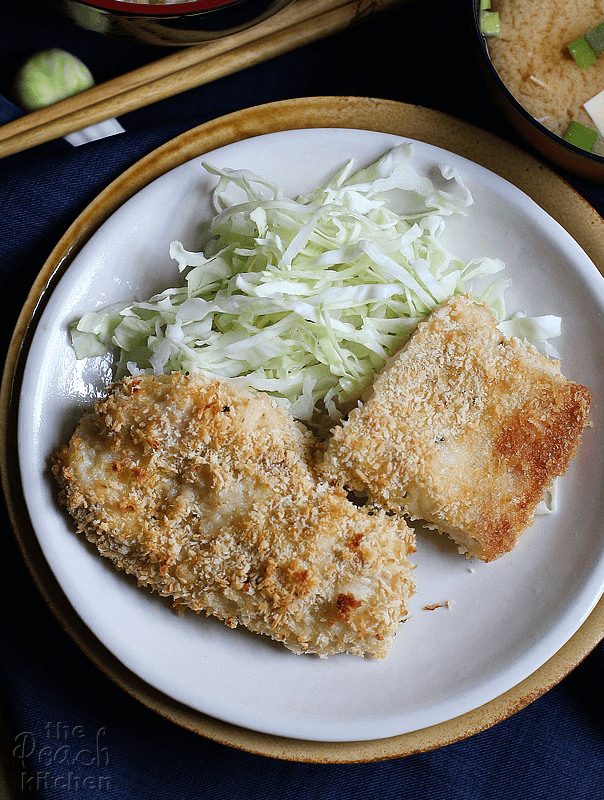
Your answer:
<point x="299" y="24"/>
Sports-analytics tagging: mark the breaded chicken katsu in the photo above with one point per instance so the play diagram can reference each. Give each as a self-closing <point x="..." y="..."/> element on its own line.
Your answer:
<point x="208" y="494"/>
<point x="465" y="429"/>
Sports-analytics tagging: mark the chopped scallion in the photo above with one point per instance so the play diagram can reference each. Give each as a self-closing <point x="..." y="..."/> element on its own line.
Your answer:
<point x="489" y="23"/>
<point x="580" y="135"/>
<point x="582" y="52"/>
<point x="595" y="38"/>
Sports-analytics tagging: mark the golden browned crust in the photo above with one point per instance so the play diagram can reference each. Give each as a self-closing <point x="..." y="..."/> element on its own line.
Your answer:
<point x="465" y="429"/>
<point x="206" y="493"/>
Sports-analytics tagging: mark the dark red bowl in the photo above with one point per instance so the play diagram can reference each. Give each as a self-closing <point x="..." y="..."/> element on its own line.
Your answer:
<point x="170" y="24"/>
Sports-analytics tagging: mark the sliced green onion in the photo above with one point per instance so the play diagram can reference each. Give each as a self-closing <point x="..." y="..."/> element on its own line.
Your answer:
<point x="582" y="52"/>
<point x="580" y="135"/>
<point x="595" y="38"/>
<point x="489" y="23"/>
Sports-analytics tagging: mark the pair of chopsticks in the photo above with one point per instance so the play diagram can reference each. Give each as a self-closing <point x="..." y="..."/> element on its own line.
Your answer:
<point x="302" y="22"/>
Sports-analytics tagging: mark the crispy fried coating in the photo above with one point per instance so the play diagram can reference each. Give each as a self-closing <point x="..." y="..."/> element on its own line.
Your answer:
<point x="465" y="429"/>
<point x="207" y="493"/>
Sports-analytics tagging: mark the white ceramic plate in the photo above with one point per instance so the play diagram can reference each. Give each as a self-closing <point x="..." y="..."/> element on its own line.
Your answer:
<point x="505" y="619"/>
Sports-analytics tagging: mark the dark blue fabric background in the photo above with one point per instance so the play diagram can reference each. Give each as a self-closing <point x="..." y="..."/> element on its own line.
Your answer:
<point x="552" y="749"/>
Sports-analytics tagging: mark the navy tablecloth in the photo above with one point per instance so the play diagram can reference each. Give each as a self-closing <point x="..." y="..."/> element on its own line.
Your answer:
<point x="554" y="748"/>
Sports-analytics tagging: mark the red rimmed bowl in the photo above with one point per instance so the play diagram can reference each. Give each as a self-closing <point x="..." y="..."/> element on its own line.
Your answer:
<point x="175" y="24"/>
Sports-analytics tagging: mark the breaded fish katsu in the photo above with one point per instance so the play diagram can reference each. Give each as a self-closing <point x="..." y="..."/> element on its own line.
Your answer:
<point x="207" y="493"/>
<point x="465" y="429"/>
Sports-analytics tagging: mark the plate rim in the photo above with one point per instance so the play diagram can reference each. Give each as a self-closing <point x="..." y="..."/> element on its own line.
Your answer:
<point x="523" y="170"/>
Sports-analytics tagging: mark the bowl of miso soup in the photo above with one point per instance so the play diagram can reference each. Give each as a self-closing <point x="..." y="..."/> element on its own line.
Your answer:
<point x="543" y="61"/>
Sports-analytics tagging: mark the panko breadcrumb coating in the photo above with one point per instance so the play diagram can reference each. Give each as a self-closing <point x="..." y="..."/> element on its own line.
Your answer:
<point x="532" y="58"/>
<point x="207" y="493"/>
<point x="465" y="429"/>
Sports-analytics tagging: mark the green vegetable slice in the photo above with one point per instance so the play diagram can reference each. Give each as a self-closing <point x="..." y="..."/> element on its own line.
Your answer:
<point x="490" y="23"/>
<point x="582" y="52"/>
<point x="595" y="38"/>
<point x="580" y="135"/>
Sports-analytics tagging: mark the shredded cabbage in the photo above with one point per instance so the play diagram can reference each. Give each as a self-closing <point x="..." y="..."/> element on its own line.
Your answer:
<point x="304" y="299"/>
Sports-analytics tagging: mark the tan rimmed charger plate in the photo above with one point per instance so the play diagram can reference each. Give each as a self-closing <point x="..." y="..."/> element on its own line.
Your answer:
<point x="539" y="182"/>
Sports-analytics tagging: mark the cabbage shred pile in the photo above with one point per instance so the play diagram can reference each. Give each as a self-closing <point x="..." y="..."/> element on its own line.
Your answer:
<point x="304" y="299"/>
